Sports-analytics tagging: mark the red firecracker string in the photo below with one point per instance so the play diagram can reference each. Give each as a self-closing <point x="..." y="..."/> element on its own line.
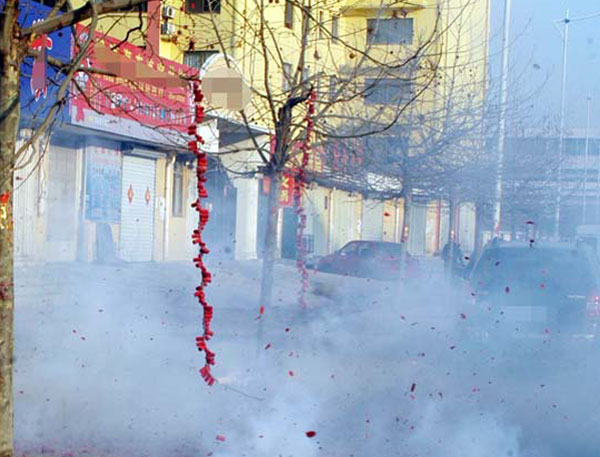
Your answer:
<point x="203" y="215"/>
<point x="299" y="187"/>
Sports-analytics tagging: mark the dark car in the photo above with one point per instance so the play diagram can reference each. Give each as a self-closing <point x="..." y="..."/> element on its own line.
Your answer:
<point x="372" y="259"/>
<point x="523" y="289"/>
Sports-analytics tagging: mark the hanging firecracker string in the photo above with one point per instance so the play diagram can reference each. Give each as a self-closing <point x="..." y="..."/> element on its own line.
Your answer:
<point x="203" y="214"/>
<point x="299" y="187"/>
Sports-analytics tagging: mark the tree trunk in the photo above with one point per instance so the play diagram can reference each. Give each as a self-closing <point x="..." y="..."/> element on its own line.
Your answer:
<point x="9" y="127"/>
<point x="406" y="217"/>
<point x="449" y="265"/>
<point x="404" y="236"/>
<point x="478" y="230"/>
<point x="268" y="258"/>
<point x="270" y="247"/>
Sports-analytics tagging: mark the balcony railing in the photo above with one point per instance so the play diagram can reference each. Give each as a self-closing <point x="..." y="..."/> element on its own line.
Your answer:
<point x="371" y="8"/>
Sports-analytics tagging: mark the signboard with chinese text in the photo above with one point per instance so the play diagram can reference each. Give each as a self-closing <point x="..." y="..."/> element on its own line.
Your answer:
<point x="146" y="94"/>
<point x="286" y="196"/>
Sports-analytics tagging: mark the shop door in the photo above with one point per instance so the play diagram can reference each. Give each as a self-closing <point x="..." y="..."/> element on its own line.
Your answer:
<point x="289" y="236"/>
<point x="61" y="233"/>
<point x="137" y="209"/>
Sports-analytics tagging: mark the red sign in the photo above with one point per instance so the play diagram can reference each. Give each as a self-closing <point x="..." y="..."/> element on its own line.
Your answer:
<point x="147" y="89"/>
<point x="286" y="196"/>
<point x="130" y="194"/>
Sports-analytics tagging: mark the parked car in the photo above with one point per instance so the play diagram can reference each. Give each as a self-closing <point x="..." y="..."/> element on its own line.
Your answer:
<point x="372" y="259"/>
<point x="527" y="290"/>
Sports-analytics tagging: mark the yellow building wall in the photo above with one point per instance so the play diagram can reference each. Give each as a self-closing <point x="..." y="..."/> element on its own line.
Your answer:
<point x="160" y="209"/>
<point x="178" y="229"/>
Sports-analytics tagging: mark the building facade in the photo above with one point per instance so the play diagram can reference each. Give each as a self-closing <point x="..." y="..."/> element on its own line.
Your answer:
<point x="115" y="186"/>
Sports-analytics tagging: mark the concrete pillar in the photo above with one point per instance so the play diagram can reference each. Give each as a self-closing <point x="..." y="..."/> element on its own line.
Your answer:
<point x="246" y="218"/>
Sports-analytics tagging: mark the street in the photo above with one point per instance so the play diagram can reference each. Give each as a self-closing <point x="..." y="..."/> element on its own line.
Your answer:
<point x="106" y="365"/>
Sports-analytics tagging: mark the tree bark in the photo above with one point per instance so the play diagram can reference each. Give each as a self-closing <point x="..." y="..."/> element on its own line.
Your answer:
<point x="268" y="257"/>
<point x="406" y="217"/>
<point x="405" y="231"/>
<point x="478" y="230"/>
<point x="270" y="246"/>
<point x="452" y="237"/>
<point x="9" y="127"/>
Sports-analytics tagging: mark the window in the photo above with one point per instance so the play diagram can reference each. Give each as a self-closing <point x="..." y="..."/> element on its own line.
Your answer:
<point x="390" y="148"/>
<point x="350" y="249"/>
<point x="289" y="14"/>
<point x="308" y="243"/>
<point x="287" y="76"/>
<point x="178" y="189"/>
<point x="335" y="28"/>
<point x="203" y="6"/>
<point x="386" y="91"/>
<point x="390" y="31"/>
<point x="306" y="77"/>
<point x="366" y="250"/>
<point x="196" y="59"/>
<point x="333" y="82"/>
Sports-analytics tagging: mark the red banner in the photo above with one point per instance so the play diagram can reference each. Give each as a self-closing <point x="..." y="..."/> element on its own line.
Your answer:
<point x="147" y="89"/>
<point x="286" y="196"/>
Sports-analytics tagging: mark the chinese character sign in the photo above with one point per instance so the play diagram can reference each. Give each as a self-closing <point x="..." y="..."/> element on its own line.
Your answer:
<point x="287" y="190"/>
<point x="143" y="88"/>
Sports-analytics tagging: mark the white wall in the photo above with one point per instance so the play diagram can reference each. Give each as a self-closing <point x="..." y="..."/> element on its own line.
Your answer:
<point x="246" y="218"/>
<point x="372" y="220"/>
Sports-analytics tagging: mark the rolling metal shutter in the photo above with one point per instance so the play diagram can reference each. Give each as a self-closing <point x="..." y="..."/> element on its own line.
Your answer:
<point x="61" y="233"/>
<point x="25" y="207"/>
<point x="137" y="209"/>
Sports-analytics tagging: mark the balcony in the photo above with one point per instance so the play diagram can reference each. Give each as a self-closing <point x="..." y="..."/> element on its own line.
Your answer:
<point x="371" y="8"/>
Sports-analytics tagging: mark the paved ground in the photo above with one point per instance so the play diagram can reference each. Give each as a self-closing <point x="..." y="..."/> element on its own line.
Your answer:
<point x="106" y="365"/>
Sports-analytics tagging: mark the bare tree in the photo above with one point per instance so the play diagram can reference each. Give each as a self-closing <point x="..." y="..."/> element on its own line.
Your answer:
<point x="363" y="87"/>
<point x="15" y="46"/>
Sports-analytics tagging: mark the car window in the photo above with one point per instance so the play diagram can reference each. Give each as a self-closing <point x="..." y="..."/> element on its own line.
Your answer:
<point x="393" y="250"/>
<point x="350" y="248"/>
<point x="366" y="249"/>
<point x="563" y="270"/>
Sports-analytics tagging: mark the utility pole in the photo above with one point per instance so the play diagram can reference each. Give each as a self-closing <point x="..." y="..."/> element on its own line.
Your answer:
<point x="561" y="142"/>
<point x="502" y="123"/>
<point x="585" y="162"/>
<point x="565" y="43"/>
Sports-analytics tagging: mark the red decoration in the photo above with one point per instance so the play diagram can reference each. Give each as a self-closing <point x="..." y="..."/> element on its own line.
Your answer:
<point x="203" y="216"/>
<point x="299" y="187"/>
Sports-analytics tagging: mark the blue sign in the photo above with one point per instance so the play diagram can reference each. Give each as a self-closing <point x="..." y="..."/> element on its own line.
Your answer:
<point x="39" y="80"/>
<point x="103" y="184"/>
